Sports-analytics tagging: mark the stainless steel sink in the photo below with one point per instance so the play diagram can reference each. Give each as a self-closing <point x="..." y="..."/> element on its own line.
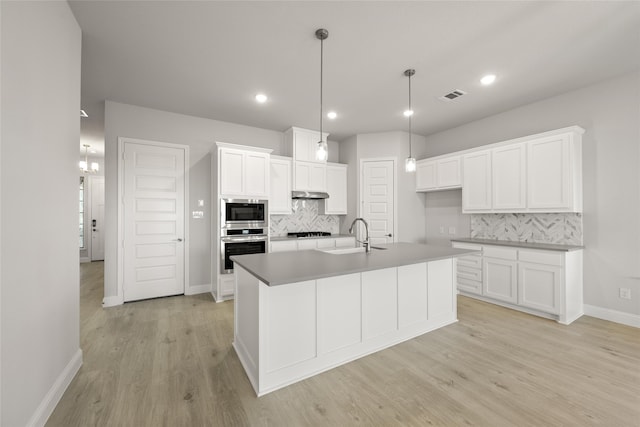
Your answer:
<point x="342" y="251"/>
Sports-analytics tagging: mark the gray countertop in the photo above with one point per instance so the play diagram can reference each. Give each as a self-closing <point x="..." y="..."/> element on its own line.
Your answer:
<point x="278" y="268"/>
<point x="285" y="238"/>
<point x="529" y="245"/>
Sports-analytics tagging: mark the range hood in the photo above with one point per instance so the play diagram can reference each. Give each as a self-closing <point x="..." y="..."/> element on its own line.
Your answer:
<point x="312" y="195"/>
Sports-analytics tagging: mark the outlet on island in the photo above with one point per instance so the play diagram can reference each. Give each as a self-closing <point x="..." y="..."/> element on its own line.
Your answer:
<point x="625" y="293"/>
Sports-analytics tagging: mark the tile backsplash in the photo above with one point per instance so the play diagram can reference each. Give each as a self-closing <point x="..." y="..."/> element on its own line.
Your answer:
<point x="305" y="217"/>
<point x="561" y="228"/>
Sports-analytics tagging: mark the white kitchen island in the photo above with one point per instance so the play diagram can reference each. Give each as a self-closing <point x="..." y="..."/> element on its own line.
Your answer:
<point x="301" y="313"/>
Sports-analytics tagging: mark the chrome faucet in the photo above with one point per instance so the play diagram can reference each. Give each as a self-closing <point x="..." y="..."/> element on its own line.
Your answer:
<point x="365" y="243"/>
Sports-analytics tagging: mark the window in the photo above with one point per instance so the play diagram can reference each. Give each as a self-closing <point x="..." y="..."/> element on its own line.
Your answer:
<point x="81" y="210"/>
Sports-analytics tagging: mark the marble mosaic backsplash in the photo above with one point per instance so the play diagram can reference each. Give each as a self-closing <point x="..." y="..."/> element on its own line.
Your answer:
<point x="305" y="217"/>
<point x="560" y="228"/>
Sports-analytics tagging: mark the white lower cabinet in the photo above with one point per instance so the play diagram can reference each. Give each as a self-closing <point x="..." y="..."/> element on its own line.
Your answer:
<point x="542" y="282"/>
<point x="306" y="244"/>
<point x="500" y="279"/>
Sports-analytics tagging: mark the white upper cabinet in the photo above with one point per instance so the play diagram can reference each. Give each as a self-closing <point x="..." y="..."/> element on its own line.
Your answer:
<point x="476" y="185"/>
<point x="336" y="204"/>
<point x="301" y="144"/>
<point x="508" y="178"/>
<point x="554" y="178"/>
<point x="538" y="173"/>
<point x="280" y="178"/>
<point x="440" y="173"/>
<point x="309" y="176"/>
<point x="243" y="172"/>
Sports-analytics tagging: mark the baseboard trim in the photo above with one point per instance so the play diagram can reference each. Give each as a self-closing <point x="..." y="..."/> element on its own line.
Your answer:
<point x="198" y="289"/>
<point x="616" y="316"/>
<point x="112" y="301"/>
<point x="53" y="396"/>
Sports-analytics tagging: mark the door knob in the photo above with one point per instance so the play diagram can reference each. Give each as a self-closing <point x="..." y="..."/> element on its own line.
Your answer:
<point x="177" y="240"/>
<point x="389" y="235"/>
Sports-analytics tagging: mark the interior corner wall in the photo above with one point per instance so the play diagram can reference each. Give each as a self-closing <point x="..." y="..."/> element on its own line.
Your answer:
<point x="609" y="112"/>
<point x="40" y="103"/>
<point x="122" y="120"/>
<point x="410" y="205"/>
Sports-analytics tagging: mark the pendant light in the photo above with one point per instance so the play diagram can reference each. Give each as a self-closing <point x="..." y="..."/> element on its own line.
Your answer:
<point x="322" y="151"/>
<point x="410" y="162"/>
<point x="84" y="164"/>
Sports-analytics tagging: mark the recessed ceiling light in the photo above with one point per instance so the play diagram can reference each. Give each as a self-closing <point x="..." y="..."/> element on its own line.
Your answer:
<point x="332" y="115"/>
<point x="93" y="151"/>
<point x="488" y="79"/>
<point x="408" y="113"/>
<point x="83" y="114"/>
<point x="261" y="98"/>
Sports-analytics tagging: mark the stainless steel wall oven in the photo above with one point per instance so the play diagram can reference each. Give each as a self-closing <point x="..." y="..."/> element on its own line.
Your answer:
<point x="241" y="242"/>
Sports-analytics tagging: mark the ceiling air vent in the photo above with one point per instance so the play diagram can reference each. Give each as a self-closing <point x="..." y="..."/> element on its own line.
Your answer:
<point x="453" y="95"/>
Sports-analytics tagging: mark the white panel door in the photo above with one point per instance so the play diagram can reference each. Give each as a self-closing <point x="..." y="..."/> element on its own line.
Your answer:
<point x="378" y="198"/>
<point x="97" y="218"/>
<point x="153" y="218"/>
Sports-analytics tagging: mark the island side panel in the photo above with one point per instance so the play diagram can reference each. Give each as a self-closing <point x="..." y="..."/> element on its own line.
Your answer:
<point x="442" y="307"/>
<point x="246" y="326"/>
<point x="412" y="295"/>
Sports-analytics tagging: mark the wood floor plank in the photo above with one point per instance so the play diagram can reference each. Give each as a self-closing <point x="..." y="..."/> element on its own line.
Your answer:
<point x="169" y="362"/>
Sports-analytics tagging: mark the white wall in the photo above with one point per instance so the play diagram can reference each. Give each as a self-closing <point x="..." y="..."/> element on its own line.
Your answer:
<point x="40" y="287"/>
<point x="610" y="113"/>
<point x="411" y="208"/>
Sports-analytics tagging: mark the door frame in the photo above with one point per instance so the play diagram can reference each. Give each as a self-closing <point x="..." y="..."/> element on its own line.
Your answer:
<point x="92" y="178"/>
<point x="120" y="244"/>
<point x="395" y="190"/>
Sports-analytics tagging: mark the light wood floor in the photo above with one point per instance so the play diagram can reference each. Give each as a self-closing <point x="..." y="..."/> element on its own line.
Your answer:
<point x="169" y="362"/>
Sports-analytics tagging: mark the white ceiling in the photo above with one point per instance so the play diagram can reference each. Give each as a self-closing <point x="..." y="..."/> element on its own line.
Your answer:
<point x="208" y="59"/>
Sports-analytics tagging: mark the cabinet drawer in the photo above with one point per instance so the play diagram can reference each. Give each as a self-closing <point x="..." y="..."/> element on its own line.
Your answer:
<point x="471" y="286"/>
<point x="307" y="244"/>
<point x="283" y="246"/>
<point x="471" y="261"/>
<point x="500" y="252"/>
<point x="469" y="246"/>
<point x="469" y="273"/>
<point x="541" y="257"/>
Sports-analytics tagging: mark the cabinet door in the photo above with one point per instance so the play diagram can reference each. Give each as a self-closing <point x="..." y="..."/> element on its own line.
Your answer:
<point x="306" y="244"/>
<point x="302" y="176"/>
<point x="426" y="178"/>
<point x="476" y="186"/>
<point x="280" y="194"/>
<point x="539" y="287"/>
<point x="549" y="174"/>
<point x="318" y="178"/>
<point x="283" y="246"/>
<point x="448" y="171"/>
<point x="326" y="243"/>
<point x="500" y="279"/>
<point x="302" y="144"/>
<point x="256" y="174"/>
<point x="509" y="177"/>
<point x="231" y="172"/>
<point x="336" y="204"/>
<point x="345" y="242"/>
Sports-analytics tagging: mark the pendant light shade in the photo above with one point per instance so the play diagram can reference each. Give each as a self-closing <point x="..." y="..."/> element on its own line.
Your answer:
<point x="84" y="164"/>
<point x="322" y="151"/>
<point x="410" y="162"/>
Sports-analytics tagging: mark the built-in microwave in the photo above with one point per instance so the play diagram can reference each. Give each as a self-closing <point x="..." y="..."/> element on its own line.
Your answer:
<point x="244" y="213"/>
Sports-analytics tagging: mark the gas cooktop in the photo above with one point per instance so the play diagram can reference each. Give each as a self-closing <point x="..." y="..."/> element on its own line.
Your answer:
<point x="309" y="234"/>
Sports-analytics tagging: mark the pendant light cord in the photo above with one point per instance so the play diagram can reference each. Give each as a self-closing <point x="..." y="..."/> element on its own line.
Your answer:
<point x="321" y="67"/>
<point x="410" y="109"/>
